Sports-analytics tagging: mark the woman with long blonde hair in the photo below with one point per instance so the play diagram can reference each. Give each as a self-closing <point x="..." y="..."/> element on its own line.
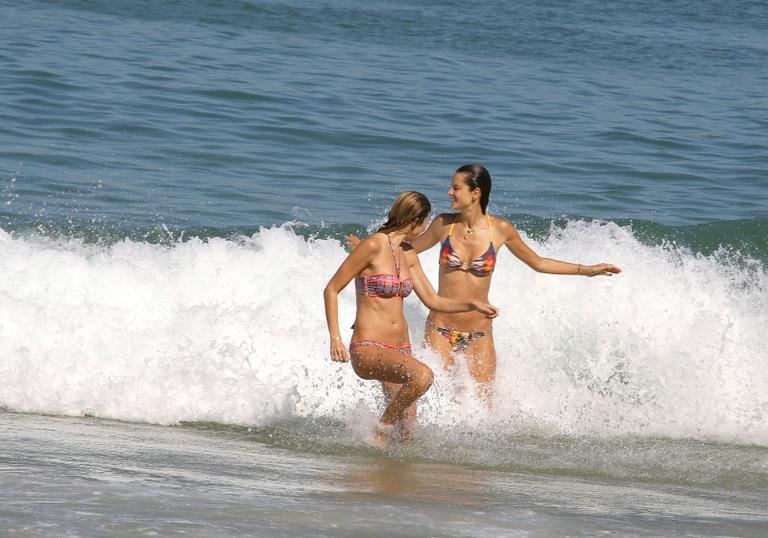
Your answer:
<point x="380" y="349"/>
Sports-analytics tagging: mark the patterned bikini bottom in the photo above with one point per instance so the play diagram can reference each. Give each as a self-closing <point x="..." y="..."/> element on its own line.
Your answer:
<point x="459" y="340"/>
<point x="361" y="343"/>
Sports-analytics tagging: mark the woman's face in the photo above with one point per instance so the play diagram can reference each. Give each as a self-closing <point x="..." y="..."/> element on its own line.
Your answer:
<point x="460" y="194"/>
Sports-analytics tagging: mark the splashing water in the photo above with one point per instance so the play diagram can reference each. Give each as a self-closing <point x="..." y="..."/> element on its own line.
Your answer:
<point x="232" y="331"/>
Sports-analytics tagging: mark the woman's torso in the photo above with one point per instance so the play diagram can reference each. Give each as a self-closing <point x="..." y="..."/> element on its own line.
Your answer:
<point x="380" y="290"/>
<point x="466" y="263"/>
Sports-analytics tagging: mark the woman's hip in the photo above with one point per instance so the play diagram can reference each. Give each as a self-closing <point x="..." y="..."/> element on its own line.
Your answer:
<point x="360" y="344"/>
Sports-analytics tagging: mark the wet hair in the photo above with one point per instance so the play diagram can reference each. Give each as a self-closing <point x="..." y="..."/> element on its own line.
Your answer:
<point x="409" y="206"/>
<point x="477" y="177"/>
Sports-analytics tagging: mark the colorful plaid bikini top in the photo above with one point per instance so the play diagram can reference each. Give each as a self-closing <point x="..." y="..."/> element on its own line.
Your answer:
<point x="480" y="266"/>
<point x="384" y="285"/>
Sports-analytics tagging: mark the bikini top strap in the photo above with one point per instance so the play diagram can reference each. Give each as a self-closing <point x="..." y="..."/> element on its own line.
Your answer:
<point x="397" y="261"/>
<point x="450" y="230"/>
<point x="490" y="227"/>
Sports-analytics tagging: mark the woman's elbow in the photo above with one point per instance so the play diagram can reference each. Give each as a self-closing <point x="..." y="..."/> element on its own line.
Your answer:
<point x="330" y="291"/>
<point x="433" y="302"/>
<point x="538" y="264"/>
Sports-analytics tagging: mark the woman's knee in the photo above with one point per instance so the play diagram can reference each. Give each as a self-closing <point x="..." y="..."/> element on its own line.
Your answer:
<point x="422" y="377"/>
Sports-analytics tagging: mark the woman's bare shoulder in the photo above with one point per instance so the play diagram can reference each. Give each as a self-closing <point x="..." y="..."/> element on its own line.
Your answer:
<point x="445" y="219"/>
<point x="502" y="225"/>
<point x="373" y="243"/>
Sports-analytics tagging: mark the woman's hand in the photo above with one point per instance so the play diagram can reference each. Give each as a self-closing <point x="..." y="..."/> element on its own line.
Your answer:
<point x="602" y="269"/>
<point x="352" y="241"/>
<point x="339" y="351"/>
<point x="489" y="310"/>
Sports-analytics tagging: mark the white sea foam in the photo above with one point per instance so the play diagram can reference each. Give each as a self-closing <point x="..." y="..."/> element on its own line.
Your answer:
<point x="233" y="331"/>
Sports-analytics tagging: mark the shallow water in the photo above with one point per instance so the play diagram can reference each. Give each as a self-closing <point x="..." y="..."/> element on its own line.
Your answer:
<point x="86" y="477"/>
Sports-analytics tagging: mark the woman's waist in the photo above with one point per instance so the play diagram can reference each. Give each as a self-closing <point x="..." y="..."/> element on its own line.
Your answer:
<point x="403" y="345"/>
<point x="372" y="322"/>
<point x="461" y="321"/>
<point x="463" y="292"/>
<point x="389" y="337"/>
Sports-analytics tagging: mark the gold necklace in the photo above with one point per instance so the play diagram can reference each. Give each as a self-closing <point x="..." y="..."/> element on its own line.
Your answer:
<point x="467" y="231"/>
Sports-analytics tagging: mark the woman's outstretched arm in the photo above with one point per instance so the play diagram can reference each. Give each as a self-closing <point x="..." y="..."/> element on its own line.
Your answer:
<point x="423" y="288"/>
<point x="358" y="260"/>
<point x="547" y="265"/>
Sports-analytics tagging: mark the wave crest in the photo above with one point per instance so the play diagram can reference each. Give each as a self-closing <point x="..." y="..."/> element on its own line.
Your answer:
<point x="233" y="331"/>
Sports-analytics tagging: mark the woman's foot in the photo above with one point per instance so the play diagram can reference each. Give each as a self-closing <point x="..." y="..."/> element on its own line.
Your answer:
<point x="405" y="429"/>
<point x="381" y="435"/>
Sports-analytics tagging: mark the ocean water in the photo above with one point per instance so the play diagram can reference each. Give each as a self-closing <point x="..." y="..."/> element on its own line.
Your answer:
<point x="175" y="182"/>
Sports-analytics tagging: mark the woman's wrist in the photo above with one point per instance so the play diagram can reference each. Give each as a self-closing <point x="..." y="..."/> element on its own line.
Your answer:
<point x="578" y="269"/>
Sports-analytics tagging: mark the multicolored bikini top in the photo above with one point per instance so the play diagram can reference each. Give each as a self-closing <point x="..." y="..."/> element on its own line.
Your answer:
<point x="481" y="266"/>
<point x="384" y="285"/>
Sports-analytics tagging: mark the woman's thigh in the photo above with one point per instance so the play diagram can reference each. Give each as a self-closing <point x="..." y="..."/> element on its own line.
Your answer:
<point x="439" y="343"/>
<point x="481" y="358"/>
<point x="479" y="355"/>
<point x="389" y="365"/>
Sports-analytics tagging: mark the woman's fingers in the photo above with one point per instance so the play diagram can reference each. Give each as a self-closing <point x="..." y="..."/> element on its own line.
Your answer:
<point x="604" y="269"/>
<point x="339" y="353"/>
<point x="608" y="268"/>
<point x="490" y="311"/>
